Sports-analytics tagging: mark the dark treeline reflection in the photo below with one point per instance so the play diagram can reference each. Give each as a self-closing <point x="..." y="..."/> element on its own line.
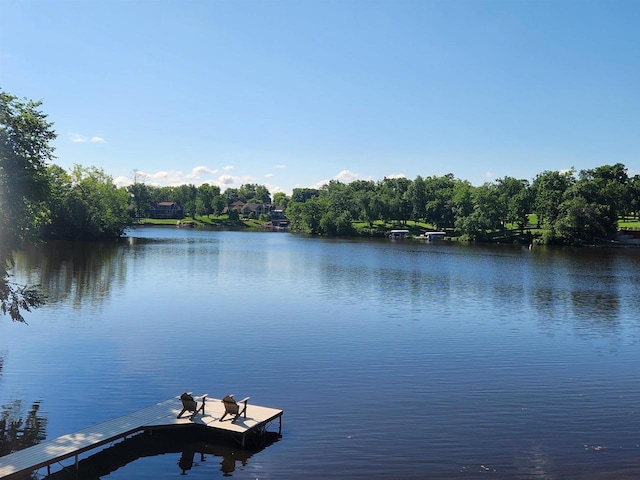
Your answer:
<point x="588" y="284"/>
<point x="72" y="271"/>
<point x="191" y="448"/>
<point x="17" y="430"/>
<point x="591" y="289"/>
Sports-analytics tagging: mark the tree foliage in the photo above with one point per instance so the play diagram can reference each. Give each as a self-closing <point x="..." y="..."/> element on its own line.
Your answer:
<point x="514" y="198"/>
<point x="140" y="198"/>
<point x="85" y="205"/>
<point x="25" y="136"/>
<point x="439" y="207"/>
<point x="548" y="192"/>
<point x="570" y="210"/>
<point x="634" y="196"/>
<point x="254" y="193"/>
<point x="280" y="199"/>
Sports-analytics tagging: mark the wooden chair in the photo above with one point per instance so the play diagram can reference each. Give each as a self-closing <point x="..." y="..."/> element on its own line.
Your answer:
<point x="190" y="405"/>
<point x="231" y="407"/>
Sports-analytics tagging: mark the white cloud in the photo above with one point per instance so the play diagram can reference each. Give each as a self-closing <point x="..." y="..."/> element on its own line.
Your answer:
<point x="488" y="175"/>
<point x="228" y="167"/>
<point x="201" y="169"/>
<point x="197" y="172"/>
<point x="77" y="138"/>
<point x="169" y="178"/>
<point x="122" y="181"/>
<point x="269" y="175"/>
<point x="226" y="180"/>
<point x="345" y="176"/>
<point x="396" y="175"/>
<point x="161" y="175"/>
<point x="280" y="167"/>
<point x="231" y="181"/>
<point x="198" y="176"/>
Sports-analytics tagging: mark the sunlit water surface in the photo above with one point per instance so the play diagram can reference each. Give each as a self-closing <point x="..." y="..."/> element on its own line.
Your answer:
<point x="390" y="359"/>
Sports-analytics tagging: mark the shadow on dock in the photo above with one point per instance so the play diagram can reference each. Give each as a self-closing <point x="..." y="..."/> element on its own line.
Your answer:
<point x="192" y="446"/>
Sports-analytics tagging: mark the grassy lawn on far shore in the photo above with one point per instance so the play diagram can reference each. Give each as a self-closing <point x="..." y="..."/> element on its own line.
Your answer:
<point x="629" y="224"/>
<point x="379" y="228"/>
<point x="212" y="221"/>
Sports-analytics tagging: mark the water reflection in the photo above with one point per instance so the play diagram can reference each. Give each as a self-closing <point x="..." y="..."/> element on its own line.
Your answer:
<point x="512" y="359"/>
<point x="186" y="460"/>
<point x="72" y="272"/>
<point x="589" y="287"/>
<point x="18" y="431"/>
<point x="190" y="448"/>
<point x="600" y="309"/>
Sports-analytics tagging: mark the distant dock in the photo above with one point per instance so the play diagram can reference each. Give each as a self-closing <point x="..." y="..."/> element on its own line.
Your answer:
<point x="159" y="416"/>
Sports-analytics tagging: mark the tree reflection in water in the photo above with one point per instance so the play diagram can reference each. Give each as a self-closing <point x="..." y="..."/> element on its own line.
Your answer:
<point x="192" y="445"/>
<point x="18" y="431"/>
<point x="67" y="272"/>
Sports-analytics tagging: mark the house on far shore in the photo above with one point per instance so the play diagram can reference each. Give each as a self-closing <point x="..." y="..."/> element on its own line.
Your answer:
<point x="166" y="210"/>
<point x="248" y="209"/>
<point x="256" y="209"/>
<point x="237" y="206"/>
<point x="278" y="219"/>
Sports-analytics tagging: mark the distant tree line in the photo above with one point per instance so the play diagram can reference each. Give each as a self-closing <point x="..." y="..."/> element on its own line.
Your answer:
<point x="570" y="208"/>
<point x="203" y="200"/>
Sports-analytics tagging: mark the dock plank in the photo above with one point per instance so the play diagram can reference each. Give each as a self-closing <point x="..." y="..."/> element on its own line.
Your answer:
<point x="160" y="415"/>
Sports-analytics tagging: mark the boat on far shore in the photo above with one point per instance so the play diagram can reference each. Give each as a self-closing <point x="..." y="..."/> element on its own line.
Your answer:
<point x="186" y="224"/>
<point x="398" y="234"/>
<point x="433" y="236"/>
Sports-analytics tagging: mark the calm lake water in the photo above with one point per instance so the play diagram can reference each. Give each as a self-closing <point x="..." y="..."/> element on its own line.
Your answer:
<point x="390" y="359"/>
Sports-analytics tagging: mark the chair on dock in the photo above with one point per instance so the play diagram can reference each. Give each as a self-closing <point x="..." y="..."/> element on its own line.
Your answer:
<point x="231" y="407"/>
<point x="190" y="405"/>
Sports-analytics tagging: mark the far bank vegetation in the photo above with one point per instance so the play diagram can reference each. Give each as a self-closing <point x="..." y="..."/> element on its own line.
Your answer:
<point x="572" y="208"/>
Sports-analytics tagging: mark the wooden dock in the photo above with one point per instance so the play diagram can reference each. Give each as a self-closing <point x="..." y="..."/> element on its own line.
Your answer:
<point x="159" y="416"/>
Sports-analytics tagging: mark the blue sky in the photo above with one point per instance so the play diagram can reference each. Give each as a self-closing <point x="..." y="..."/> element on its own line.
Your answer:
<point x="294" y="93"/>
